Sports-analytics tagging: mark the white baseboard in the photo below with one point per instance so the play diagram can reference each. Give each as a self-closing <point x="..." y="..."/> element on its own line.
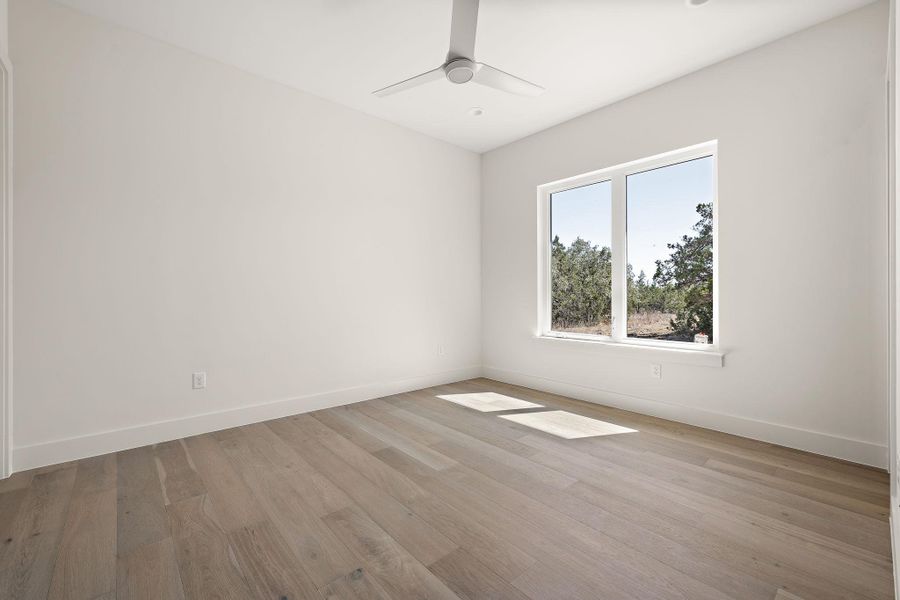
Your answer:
<point x="58" y="451"/>
<point x="857" y="451"/>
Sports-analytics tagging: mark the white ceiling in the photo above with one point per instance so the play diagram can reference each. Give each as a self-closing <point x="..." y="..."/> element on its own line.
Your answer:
<point x="587" y="53"/>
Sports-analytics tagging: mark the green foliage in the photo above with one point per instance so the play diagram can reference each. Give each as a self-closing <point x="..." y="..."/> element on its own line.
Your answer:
<point x="581" y="278"/>
<point x="689" y="269"/>
<point x="649" y="296"/>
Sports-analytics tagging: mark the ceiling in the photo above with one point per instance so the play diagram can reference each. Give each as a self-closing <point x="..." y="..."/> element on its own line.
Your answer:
<point x="587" y="53"/>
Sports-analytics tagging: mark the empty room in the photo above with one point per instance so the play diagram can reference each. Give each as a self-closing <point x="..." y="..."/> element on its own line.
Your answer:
<point x="449" y="300"/>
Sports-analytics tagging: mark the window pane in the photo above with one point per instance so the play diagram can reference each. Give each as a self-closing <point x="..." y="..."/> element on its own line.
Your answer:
<point x="580" y="271"/>
<point x="670" y="270"/>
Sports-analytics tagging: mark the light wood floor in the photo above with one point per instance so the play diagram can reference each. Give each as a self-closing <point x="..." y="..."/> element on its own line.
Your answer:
<point x="437" y="494"/>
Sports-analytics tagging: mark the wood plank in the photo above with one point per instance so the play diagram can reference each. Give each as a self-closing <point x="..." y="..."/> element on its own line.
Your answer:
<point x="699" y="538"/>
<point x="539" y="471"/>
<point x="320" y="553"/>
<point x="357" y="585"/>
<point x="413" y="533"/>
<point x="177" y="475"/>
<point x="16" y="481"/>
<point x="9" y="508"/>
<point x="654" y="515"/>
<point x="625" y="565"/>
<point x="790" y="520"/>
<point x="819" y="561"/>
<point x="416" y="535"/>
<point x="235" y="504"/>
<point x="298" y="431"/>
<point x="149" y="572"/>
<point x="483" y="542"/>
<point x="56" y="467"/>
<point x="867" y="491"/>
<point x="141" y="511"/>
<point x="486" y="428"/>
<point x="361" y="438"/>
<point x="568" y="563"/>
<point x="470" y="579"/>
<point x="205" y="558"/>
<point x="641" y="542"/>
<point x="786" y="595"/>
<point x="685" y="448"/>
<point x="396" y="570"/>
<point x="707" y="486"/>
<point x="317" y="493"/>
<point x="269" y="566"/>
<point x="869" y="506"/>
<point x="27" y="558"/>
<point x="86" y="562"/>
<point x="382" y="412"/>
<point x="266" y="444"/>
<point x="419" y="452"/>
<point x="96" y="474"/>
<point x="553" y="578"/>
<point x="754" y="569"/>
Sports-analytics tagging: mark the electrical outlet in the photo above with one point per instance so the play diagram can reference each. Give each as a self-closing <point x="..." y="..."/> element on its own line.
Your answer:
<point x="656" y="371"/>
<point x="198" y="380"/>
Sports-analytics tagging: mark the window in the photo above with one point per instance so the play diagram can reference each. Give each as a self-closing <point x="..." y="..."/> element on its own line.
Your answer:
<point x="628" y="253"/>
<point x="670" y="251"/>
<point x="581" y="259"/>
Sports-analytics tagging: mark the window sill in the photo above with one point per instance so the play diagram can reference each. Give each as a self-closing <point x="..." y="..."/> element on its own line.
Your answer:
<point x="664" y="352"/>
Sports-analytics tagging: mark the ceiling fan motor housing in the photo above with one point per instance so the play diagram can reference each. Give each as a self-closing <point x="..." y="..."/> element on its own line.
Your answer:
<point x="460" y="70"/>
<point x="460" y="66"/>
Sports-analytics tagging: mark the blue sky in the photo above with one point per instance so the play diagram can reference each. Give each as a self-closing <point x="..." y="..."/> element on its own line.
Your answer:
<point x="661" y="209"/>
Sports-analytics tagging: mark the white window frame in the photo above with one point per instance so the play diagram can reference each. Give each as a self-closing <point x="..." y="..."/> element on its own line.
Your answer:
<point x="617" y="175"/>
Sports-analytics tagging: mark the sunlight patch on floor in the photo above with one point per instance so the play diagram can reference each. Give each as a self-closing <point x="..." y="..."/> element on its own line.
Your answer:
<point x="567" y="425"/>
<point x="489" y="401"/>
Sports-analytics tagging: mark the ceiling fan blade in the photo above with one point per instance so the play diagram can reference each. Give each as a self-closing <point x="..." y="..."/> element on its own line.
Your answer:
<point x="463" y="23"/>
<point x="412" y="82"/>
<point x="501" y="80"/>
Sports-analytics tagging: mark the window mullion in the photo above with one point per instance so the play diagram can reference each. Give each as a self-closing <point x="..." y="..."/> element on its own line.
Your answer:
<point x="619" y="258"/>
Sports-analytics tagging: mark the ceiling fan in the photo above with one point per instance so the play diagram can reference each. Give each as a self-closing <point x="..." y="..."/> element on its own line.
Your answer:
<point x="460" y="66"/>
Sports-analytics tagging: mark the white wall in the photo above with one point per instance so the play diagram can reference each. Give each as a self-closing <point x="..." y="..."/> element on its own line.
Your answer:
<point x="893" y="69"/>
<point x="803" y="244"/>
<point x="4" y="27"/>
<point x="175" y="215"/>
<point x="5" y="240"/>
